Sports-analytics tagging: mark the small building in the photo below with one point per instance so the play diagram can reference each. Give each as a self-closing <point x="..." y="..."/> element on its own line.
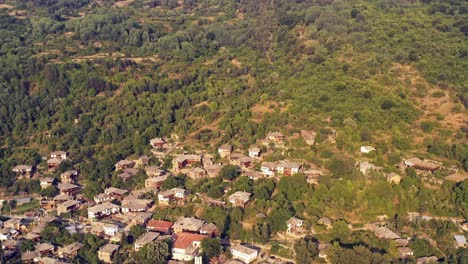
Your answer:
<point x="10" y="244"/>
<point x="254" y="152"/>
<point x="45" y="248"/>
<point x="154" y="171"/>
<point x="213" y="170"/>
<point x="54" y="162"/>
<point x="22" y="169"/>
<point x="155" y="182"/>
<point x="13" y="223"/>
<point x="58" y="155"/>
<point x="106" y="252"/>
<point x="366" y="167"/>
<point x="427" y="260"/>
<point x="171" y="195"/>
<point x="69" y="176"/>
<point x="186" y="246"/>
<point x="143" y="160"/>
<point x="124" y="164"/>
<point x="288" y="168"/>
<point x="244" y="253"/>
<point x="68" y="188"/>
<point x="188" y="224"/>
<point x="160" y="226"/>
<point x="146" y="238"/>
<point x="268" y="168"/>
<point x="48" y="260"/>
<point x="47" y="182"/>
<point x="460" y="241"/>
<point x="68" y="206"/>
<point x="239" y="198"/>
<point x="157" y="142"/>
<point x="367" y="149"/>
<point x="246" y="162"/>
<point x="185" y="160"/>
<point x="405" y="252"/>
<point x="422" y="165"/>
<point x="135" y="205"/>
<point x="110" y="230"/>
<point x="253" y="175"/>
<point x="116" y="193"/>
<point x="102" y="210"/>
<point x="70" y="251"/>
<point x="30" y="256"/>
<point x="325" y="221"/>
<point x="276" y="137"/>
<point x="209" y="229"/>
<point x="196" y="173"/>
<point x="102" y="197"/>
<point x="33" y="236"/>
<point x="294" y="226"/>
<point x="224" y="150"/>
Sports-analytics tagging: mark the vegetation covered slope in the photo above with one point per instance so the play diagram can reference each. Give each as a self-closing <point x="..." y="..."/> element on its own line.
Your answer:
<point x="100" y="79"/>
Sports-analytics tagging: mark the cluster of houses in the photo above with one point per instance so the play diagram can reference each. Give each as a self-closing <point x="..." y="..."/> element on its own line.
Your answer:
<point x="16" y="231"/>
<point x="115" y="210"/>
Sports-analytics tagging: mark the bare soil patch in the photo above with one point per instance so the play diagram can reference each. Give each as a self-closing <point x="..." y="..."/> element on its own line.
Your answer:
<point x="457" y="177"/>
<point x="123" y="3"/>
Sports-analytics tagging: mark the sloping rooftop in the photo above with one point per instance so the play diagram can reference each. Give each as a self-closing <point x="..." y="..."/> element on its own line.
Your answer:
<point x="184" y="240"/>
<point x="243" y="249"/>
<point x="189" y="223"/>
<point x="109" y="248"/>
<point x="147" y="238"/>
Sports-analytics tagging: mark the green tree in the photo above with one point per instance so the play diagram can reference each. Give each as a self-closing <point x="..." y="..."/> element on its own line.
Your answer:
<point x="340" y="231"/>
<point x="50" y="191"/>
<point x="306" y="249"/>
<point x="211" y="247"/>
<point x="155" y="252"/>
<point x="230" y="172"/>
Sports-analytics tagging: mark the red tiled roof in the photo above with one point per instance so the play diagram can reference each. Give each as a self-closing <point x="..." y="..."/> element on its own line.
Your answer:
<point x="183" y="240"/>
<point x="159" y="224"/>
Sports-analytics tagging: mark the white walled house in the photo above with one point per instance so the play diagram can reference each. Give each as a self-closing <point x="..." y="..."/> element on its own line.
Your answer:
<point x="243" y="253"/>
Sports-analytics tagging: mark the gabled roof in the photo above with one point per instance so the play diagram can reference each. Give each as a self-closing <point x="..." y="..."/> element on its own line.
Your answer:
<point x="147" y="238"/>
<point x="69" y="203"/>
<point x="243" y="249"/>
<point x="189" y="223"/>
<point x="31" y="255"/>
<point x="109" y="248"/>
<point x="22" y="168"/>
<point x="54" y="161"/>
<point x="295" y="221"/>
<point x="44" y="247"/>
<point x="117" y="191"/>
<point x="71" y="248"/>
<point x="184" y="240"/>
<point x="159" y="224"/>
<point x="209" y="228"/>
<point x="67" y="186"/>
<point x="243" y="196"/>
<point x="102" y="207"/>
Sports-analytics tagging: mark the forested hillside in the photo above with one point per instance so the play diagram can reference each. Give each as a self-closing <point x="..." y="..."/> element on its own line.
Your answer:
<point x="99" y="79"/>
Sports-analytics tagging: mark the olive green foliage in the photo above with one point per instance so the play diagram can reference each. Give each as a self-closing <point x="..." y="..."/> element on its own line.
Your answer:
<point x="154" y="252"/>
<point x="305" y="249"/>
<point x="211" y="247"/>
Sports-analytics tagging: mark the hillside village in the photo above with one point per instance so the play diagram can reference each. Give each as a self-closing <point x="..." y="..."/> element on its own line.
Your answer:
<point x="230" y="132"/>
<point x="127" y="220"/>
